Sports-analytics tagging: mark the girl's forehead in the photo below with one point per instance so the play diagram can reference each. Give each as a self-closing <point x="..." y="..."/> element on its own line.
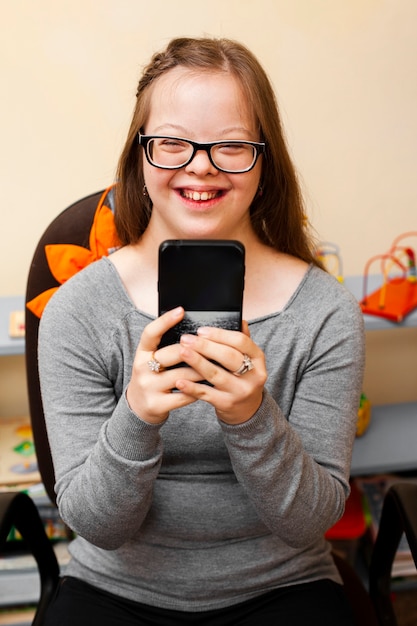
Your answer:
<point x="183" y="78"/>
<point x="196" y="94"/>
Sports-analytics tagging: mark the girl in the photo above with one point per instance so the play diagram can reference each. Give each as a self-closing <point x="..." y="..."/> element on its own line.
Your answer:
<point x="206" y="506"/>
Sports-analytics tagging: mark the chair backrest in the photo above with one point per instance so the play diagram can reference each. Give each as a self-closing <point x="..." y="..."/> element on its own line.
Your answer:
<point x="69" y="239"/>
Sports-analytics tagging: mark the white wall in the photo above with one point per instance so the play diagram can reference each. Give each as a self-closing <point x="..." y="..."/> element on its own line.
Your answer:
<point x="344" y="72"/>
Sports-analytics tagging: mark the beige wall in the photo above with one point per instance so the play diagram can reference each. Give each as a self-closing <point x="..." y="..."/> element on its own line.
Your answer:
<point x="344" y="72"/>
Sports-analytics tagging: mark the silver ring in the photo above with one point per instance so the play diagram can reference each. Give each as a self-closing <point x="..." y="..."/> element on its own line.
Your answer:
<point x="154" y="365"/>
<point x="246" y="366"/>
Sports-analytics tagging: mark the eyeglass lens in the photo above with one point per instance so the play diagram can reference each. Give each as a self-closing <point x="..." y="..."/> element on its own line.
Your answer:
<point x="171" y="152"/>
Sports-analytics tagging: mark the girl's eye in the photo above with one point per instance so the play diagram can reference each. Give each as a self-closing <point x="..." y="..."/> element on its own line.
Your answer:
<point x="172" y="145"/>
<point x="233" y="148"/>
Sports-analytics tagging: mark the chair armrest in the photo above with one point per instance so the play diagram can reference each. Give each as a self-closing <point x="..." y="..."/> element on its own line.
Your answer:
<point x="399" y="515"/>
<point x="18" y="510"/>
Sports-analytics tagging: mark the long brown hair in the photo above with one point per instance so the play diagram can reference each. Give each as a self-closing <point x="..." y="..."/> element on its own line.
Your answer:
<point x="277" y="214"/>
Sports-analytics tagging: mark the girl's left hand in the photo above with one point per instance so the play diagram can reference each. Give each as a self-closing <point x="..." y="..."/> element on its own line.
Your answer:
<point x="236" y="398"/>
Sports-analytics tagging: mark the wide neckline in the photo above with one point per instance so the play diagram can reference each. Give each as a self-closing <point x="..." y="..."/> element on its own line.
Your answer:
<point x="285" y="308"/>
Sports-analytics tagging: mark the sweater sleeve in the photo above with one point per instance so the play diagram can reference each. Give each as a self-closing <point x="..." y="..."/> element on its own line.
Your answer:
<point x="105" y="458"/>
<point x="295" y="466"/>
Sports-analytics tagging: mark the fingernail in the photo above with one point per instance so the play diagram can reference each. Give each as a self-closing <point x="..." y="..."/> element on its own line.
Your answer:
<point x="187" y="340"/>
<point x="177" y="312"/>
<point x="203" y="331"/>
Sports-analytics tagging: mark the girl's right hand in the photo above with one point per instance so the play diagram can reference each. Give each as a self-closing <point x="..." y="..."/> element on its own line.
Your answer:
<point x="149" y="393"/>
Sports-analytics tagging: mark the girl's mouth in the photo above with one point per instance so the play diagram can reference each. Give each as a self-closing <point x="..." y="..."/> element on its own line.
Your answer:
<point x="200" y="196"/>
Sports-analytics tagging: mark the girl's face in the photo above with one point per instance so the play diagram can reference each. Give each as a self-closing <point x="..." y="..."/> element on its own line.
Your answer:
<point x="199" y="201"/>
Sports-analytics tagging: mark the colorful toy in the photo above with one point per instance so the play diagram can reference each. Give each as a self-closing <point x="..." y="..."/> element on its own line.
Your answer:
<point x="398" y="294"/>
<point x="329" y="255"/>
<point x="364" y="416"/>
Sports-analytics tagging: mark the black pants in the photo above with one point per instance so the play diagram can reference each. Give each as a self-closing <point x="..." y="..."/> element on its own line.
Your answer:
<point x="322" y="603"/>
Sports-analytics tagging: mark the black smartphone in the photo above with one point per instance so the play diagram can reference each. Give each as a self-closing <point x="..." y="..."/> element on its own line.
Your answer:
<point x="206" y="277"/>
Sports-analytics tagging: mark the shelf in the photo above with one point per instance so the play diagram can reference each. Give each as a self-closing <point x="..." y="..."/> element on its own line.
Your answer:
<point x="389" y="444"/>
<point x="373" y="322"/>
<point x="10" y="345"/>
<point x="19" y="588"/>
<point x="19" y="577"/>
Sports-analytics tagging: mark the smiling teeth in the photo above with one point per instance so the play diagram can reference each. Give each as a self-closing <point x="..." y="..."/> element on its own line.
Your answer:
<point x="197" y="196"/>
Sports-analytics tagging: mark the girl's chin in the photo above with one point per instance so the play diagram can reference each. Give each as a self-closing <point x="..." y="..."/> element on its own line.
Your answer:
<point x="201" y="229"/>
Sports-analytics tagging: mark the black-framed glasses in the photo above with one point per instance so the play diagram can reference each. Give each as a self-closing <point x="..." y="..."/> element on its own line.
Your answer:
<point x="232" y="156"/>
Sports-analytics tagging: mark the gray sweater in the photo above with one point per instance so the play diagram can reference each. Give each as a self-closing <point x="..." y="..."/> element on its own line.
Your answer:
<point x="195" y="514"/>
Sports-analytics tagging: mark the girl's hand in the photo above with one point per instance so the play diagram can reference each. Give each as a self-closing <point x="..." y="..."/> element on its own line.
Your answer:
<point x="149" y="393"/>
<point x="235" y="398"/>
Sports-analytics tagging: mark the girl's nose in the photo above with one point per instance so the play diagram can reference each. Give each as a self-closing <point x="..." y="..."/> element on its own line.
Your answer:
<point x="201" y="164"/>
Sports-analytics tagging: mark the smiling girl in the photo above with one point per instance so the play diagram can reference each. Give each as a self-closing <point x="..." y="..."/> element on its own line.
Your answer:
<point x="207" y="506"/>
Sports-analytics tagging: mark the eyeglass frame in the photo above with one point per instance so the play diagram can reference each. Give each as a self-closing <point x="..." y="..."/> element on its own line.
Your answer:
<point x="260" y="148"/>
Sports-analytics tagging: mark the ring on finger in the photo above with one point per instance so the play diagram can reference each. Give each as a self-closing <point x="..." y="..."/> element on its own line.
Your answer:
<point x="154" y="365"/>
<point x="246" y="366"/>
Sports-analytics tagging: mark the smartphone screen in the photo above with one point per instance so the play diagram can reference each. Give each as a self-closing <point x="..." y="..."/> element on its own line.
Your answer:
<point x="206" y="278"/>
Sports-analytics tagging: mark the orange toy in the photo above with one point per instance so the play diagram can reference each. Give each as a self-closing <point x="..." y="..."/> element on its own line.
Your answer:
<point x="398" y="294"/>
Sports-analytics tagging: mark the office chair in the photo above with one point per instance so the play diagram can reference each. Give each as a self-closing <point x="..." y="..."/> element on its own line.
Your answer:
<point x="79" y="235"/>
